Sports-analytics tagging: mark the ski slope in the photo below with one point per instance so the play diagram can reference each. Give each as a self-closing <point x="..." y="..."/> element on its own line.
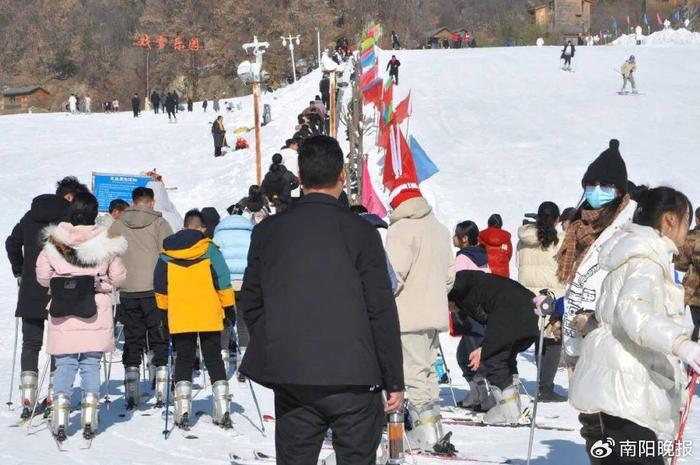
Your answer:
<point x="508" y="130"/>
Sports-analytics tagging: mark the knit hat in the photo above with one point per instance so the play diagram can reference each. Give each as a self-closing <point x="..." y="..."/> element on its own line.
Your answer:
<point x="608" y="168"/>
<point x="404" y="193"/>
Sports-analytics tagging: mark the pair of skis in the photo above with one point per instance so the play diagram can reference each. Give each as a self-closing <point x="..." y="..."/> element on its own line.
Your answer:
<point x="261" y="458"/>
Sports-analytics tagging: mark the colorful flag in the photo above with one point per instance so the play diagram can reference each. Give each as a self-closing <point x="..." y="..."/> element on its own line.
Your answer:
<point x="388" y="100"/>
<point x="366" y="53"/>
<point x="677" y="15"/>
<point x="628" y="20"/>
<point x="403" y="110"/>
<point x="373" y="31"/>
<point x="399" y="169"/>
<point x="372" y="93"/>
<point x="646" y="20"/>
<point x="368" y="76"/>
<point x="614" y="24"/>
<point x="367" y="43"/>
<point x="369" y="60"/>
<point x="370" y="199"/>
<point x="659" y="20"/>
<point x="425" y="168"/>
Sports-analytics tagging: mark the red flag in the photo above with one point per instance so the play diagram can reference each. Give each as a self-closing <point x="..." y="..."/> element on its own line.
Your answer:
<point x="658" y="18"/>
<point x="399" y="169"/>
<point x="403" y="110"/>
<point x="366" y="53"/>
<point x="370" y="199"/>
<point x="628" y="21"/>
<point x="373" y="93"/>
<point x="388" y="100"/>
<point x="369" y="76"/>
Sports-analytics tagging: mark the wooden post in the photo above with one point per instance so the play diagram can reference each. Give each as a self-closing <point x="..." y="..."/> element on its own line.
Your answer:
<point x="258" y="150"/>
<point x="331" y="99"/>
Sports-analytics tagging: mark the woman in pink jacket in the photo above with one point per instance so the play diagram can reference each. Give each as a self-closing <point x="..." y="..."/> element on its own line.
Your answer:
<point x="73" y="251"/>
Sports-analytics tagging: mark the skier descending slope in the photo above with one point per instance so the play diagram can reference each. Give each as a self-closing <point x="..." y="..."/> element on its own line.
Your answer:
<point x="80" y="264"/>
<point x="630" y="373"/>
<point x="627" y="71"/>
<point x="606" y="208"/>
<point x="191" y="269"/>
<point x="23" y="247"/>
<point x="567" y="54"/>
<point x="419" y="249"/>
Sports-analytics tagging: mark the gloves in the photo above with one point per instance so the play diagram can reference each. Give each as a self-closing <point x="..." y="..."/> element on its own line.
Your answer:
<point x="689" y="352"/>
<point x="538" y="304"/>
<point x="229" y="316"/>
<point x="19" y="281"/>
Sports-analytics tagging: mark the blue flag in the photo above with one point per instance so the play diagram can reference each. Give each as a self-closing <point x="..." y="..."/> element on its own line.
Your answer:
<point x="646" y="20"/>
<point x="425" y="167"/>
<point x="677" y="15"/>
<point x="368" y="60"/>
<point x="614" y="25"/>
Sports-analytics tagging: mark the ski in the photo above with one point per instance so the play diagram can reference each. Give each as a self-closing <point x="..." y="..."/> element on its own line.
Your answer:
<point x="61" y="445"/>
<point x="86" y="444"/>
<point x="460" y="458"/>
<point x="206" y="419"/>
<point x="475" y="422"/>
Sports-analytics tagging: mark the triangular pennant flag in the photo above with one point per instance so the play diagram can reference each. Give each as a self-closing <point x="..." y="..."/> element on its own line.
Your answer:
<point x="370" y="199"/>
<point x="366" y="53"/>
<point x="372" y="93"/>
<point x="388" y="100"/>
<point x="399" y="169"/>
<point x="369" y="60"/>
<point x="367" y="43"/>
<point x="403" y="110"/>
<point x="425" y="167"/>
<point x="368" y="76"/>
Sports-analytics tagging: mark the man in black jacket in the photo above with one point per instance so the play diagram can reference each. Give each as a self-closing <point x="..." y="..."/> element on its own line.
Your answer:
<point x="136" y="105"/>
<point x="393" y="68"/>
<point x="324" y="329"/>
<point x="505" y="307"/>
<point x="23" y="246"/>
<point x="155" y="101"/>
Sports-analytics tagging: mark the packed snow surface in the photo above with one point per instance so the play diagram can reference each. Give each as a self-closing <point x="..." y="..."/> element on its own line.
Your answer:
<point x="508" y="130"/>
<point x="667" y="36"/>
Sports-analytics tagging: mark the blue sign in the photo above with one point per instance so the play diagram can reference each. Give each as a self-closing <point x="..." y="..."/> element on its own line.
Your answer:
<point x="109" y="186"/>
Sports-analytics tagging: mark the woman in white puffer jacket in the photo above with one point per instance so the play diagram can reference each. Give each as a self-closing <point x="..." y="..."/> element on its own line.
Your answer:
<point x="630" y="371"/>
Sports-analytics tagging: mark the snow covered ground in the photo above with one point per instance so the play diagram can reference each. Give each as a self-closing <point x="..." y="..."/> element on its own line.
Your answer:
<point x="508" y="130"/>
<point x="668" y="36"/>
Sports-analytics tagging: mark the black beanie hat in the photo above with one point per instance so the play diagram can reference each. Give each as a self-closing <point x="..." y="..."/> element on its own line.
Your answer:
<point x="608" y="168"/>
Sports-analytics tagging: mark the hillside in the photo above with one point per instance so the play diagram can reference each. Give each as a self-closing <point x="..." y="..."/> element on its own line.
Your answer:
<point x="511" y="131"/>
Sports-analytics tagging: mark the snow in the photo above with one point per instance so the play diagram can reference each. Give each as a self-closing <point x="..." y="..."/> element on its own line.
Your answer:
<point x="667" y="36"/>
<point x="508" y="130"/>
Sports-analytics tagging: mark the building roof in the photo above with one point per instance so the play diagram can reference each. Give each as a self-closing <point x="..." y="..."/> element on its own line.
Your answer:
<point x="13" y="91"/>
<point x="436" y="31"/>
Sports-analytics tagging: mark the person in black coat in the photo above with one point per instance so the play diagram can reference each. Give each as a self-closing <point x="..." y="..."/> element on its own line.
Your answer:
<point x="325" y="88"/>
<point x="170" y="106"/>
<point x="23" y="246"/>
<point x="324" y="328"/>
<point x="155" y="101"/>
<point x="219" y="134"/>
<point x="505" y="307"/>
<point x="279" y="183"/>
<point x="136" y="105"/>
<point x="567" y="54"/>
<point x="176" y="98"/>
<point x="393" y="68"/>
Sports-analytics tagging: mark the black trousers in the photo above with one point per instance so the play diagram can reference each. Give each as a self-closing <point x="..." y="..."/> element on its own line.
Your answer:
<point x="592" y="432"/>
<point x="695" y="313"/>
<point x="500" y="366"/>
<point x="551" y="354"/>
<point x="32" y="340"/>
<point x="621" y="430"/>
<point x="396" y="78"/>
<point x="185" y="344"/>
<point x="217" y="151"/>
<point x="567" y="60"/>
<point x="155" y="109"/>
<point x="304" y="413"/>
<point x="141" y="317"/>
<point x="171" y="113"/>
<point x="243" y="334"/>
<point x="136" y="112"/>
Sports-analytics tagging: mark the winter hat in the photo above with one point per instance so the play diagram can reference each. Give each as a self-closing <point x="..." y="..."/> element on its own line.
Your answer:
<point x="404" y="193"/>
<point x="608" y="168"/>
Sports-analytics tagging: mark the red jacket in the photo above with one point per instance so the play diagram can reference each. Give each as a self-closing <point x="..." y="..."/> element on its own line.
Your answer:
<point x="499" y="248"/>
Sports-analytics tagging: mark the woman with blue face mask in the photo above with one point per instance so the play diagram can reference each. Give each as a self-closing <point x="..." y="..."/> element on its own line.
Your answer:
<point x="606" y="206"/>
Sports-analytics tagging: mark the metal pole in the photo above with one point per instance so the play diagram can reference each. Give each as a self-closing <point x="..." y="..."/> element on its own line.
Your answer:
<point x="166" y="430"/>
<point x="318" y="44"/>
<point x="258" y="151"/>
<point x="14" y="365"/>
<point x="294" y="65"/>
<point x="533" y="425"/>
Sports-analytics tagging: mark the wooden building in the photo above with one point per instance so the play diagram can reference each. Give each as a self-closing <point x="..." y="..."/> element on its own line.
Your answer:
<point x="21" y="99"/>
<point x="440" y="36"/>
<point x="566" y="18"/>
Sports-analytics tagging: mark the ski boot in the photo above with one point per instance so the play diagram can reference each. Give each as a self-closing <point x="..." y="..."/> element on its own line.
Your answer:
<point x="221" y="409"/>
<point x="479" y="398"/>
<point x="89" y="410"/>
<point x="507" y="409"/>
<point x="132" y="387"/>
<point x="226" y="357"/>
<point x="183" y="404"/>
<point x="60" y="417"/>
<point x="151" y="369"/>
<point x="425" y="427"/>
<point x="546" y="394"/>
<point x="49" y="398"/>
<point x="28" y="390"/>
<point x="161" y="386"/>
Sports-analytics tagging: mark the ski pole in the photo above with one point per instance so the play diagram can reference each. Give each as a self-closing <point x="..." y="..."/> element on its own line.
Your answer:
<point x="447" y="370"/>
<point x="537" y="390"/>
<point x="14" y="365"/>
<point x="166" y="431"/>
<point x="684" y="417"/>
<point x="41" y="385"/>
<point x="252" y="392"/>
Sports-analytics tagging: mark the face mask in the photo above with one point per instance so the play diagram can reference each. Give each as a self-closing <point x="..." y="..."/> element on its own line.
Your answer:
<point x="598" y="196"/>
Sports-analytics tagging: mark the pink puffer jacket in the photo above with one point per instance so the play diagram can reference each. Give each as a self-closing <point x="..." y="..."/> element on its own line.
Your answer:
<point x="82" y="251"/>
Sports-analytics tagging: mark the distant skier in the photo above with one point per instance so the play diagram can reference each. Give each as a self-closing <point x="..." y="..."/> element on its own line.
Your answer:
<point x="190" y="104"/>
<point x="72" y="103"/>
<point x="395" y="44"/>
<point x="393" y="68"/>
<point x="170" y="107"/>
<point x="219" y="134"/>
<point x="136" y="105"/>
<point x="204" y="105"/>
<point x="88" y="104"/>
<point x="567" y="54"/>
<point x="177" y="101"/>
<point x="155" y="101"/>
<point x="215" y="104"/>
<point x="627" y="71"/>
<point x="638" y="34"/>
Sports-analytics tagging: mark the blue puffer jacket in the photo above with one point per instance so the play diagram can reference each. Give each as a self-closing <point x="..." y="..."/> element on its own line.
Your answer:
<point x="232" y="235"/>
